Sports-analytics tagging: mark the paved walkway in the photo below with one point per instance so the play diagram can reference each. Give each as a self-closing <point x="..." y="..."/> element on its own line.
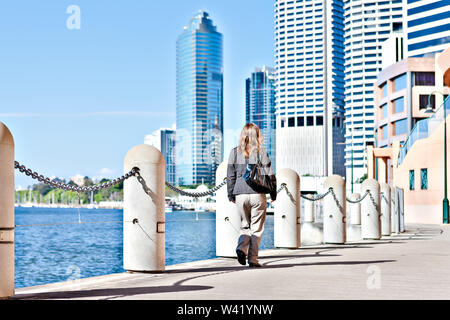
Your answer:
<point x="412" y="265"/>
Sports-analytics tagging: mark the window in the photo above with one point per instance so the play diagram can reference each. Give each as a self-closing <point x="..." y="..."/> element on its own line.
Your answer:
<point x="423" y="179"/>
<point x="424" y="79"/>
<point x="400" y="127"/>
<point x="423" y="101"/>
<point x="300" y="121"/>
<point x="282" y="123"/>
<point x="400" y="82"/>
<point x="309" y="121"/>
<point x="384" y="111"/>
<point x="411" y="179"/>
<point x="319" y="121"/>
<point x="399" y="105"/>
<point x="291" y="122"/>
<point x="384" y="132"/>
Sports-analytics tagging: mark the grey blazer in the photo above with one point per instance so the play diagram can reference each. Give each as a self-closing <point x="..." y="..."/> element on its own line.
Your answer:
<point x="237" y="164"/>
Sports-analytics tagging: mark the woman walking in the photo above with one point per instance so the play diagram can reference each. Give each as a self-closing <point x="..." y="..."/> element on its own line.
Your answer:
<point x="251" y="203"/>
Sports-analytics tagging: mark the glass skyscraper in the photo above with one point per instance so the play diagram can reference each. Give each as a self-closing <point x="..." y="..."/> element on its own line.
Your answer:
<point x="199" y="82"/>
<point x="309" y="56"/>
<point x="427" y="29"/>
<point x="260" y="106"/>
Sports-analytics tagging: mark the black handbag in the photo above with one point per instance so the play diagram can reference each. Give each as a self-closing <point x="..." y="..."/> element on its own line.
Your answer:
<point x="259" y="182"/>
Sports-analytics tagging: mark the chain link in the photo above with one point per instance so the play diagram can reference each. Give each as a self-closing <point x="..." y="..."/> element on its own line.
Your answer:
<point x="56" y="183"/>
<point x="197" y="194"/>
<point x="360" y="199"/>
<point x="318" y="197"/>
<point x="373" y="200"/>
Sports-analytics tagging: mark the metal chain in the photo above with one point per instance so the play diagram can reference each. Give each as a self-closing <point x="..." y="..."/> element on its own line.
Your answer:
<point x="336" y="200"/>
<point x="58" y="184"/>
<point x="373" y="200"/>
<point x="282" y="186"/>
<point x="197" y="194"/>
<point x="360" y="199"/>
<point x="318" y="197"/>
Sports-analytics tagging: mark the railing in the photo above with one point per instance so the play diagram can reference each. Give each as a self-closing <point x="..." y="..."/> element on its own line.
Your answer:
<point x="423" y="129"/>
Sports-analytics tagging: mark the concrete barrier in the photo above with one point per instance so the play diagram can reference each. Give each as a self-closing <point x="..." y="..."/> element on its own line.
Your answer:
<point x="287" y="210"/>
<point x="144" y="211"/>
<point x="385" y="208"/>
<point x="370" y="213"/>
<point x="334" y="224"/>
<point x="6" y="212"/>
<point x="228" y="219"/>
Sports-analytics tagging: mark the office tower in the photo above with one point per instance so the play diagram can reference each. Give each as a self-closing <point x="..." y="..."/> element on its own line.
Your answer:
<point x="309" y="56"/>
<point x="427" y="28"/>
<point x="164" y="140"/>
<point x="367" y="25"/>
<point x="260" y="106"/>
<point x="199" y="83"/>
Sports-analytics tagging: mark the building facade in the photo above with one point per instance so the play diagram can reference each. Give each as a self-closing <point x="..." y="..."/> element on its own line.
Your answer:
<point x="164" y="140"/>
<point x="199" y="112"/>
<point x="427" y="28"/>
<point x="367" y="25"/>
<point x="309" y="58"/>
<point x="260" y="106"/>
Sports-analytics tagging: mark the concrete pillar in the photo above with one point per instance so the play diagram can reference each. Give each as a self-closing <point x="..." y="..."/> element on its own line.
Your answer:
<point x="370" y="214"/>
<point x="6" y="212"/>
<point x="143" y="211"/>
<point x="228" y="219"/>
<point x="287" y="210"/>
<point x="334" y="226"/>
<point x="355" y="209"/>
<point x="309" y="211"/>
<point x="382" y="169"/>
<point x="385" y="208"/>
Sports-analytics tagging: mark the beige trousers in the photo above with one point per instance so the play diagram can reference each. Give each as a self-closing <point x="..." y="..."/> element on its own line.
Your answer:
<point x="252" y="208"/>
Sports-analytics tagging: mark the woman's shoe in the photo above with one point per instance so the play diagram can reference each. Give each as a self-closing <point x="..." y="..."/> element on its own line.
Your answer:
<point x="254" y="265"/>
<point x="240" y="256"/>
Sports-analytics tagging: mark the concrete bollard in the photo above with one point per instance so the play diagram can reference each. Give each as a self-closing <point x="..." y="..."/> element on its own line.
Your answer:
<point x="228" y="219"/>
<point x="355" y="209"/>
<point x="394" y="214"/>
<point x="334" y="225"/>
<point x="370" y="215"/>
<point x="144" y="211"/>
<point x="385" y="207"/>
<point x="286" y="226"/>
<point x="6" y="212"/>
<point x="401" y="209"/>
<point x="309" y="211"/>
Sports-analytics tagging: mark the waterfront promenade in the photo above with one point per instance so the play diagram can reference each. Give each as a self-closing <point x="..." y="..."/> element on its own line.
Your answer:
<point x="411" y="265"/>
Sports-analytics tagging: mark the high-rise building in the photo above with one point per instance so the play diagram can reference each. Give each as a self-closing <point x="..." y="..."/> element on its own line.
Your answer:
<point x="367" y="25"/>
<point x="309" y="56"/>
<point x="164" y="140"/>
<point x="199" y="83"/>
<point x="260" y="106"/>
<point x="427" y="29"/>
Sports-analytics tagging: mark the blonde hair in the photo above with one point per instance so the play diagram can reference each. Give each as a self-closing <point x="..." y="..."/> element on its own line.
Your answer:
<point x="251" y="139"/>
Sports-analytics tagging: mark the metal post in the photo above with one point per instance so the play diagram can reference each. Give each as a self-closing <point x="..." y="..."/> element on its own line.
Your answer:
<point x="287" y="210"/>
<point x="6" y="212"/>
<point x="228" y="220"/>
<point x="445" y="201"/>
<point x="144" y="211"/>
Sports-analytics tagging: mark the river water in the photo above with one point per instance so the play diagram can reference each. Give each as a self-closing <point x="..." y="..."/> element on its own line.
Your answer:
<point x="50" y="245"/>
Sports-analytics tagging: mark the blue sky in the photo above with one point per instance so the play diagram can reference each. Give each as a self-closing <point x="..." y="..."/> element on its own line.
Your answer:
<point x="76" y="100"/>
